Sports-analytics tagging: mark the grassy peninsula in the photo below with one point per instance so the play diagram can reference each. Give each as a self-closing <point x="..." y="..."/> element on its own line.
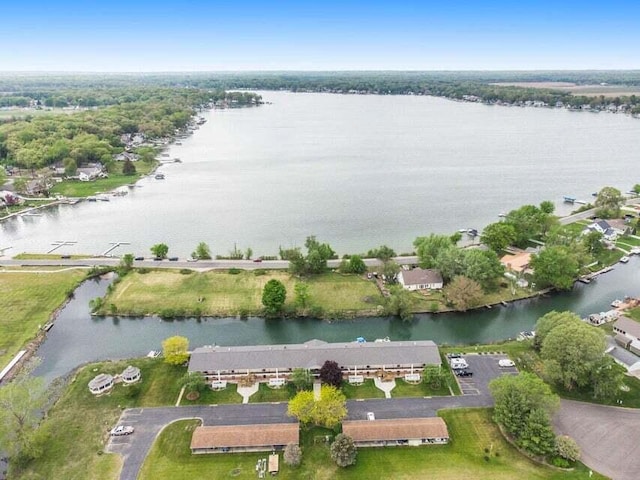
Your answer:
<point x="29" y="297"/>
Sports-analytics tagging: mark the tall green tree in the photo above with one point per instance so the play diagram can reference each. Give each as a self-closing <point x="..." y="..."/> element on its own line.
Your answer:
<point x="537" y="436"/>
<point x="21" y="403"/>
<point x="555" y="266"/>
<point x="463" y="293"/>
<point x="428" y="248"/>
<point x="484" y="267"/>
<point x="160" y="250"/>
<point x="357" y="265"/>
<point x="399" y="303"/>
<point x="570" y="352"/>
<point x="609" y="202"/>
<point x="382" y="253"/>
<point x="549" y="321"/>
<point x="328" y="411"/>
<point x="273" y="296"/>
<point x="498" y="236"/>
<point x="301" y="378"/>
<point x="202" y="252"/>
<point x="516" y="397"/>
<point x="175" y="350"/>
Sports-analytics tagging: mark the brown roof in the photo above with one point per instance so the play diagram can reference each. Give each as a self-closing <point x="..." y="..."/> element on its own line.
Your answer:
<point x="518" y="262"/>
<point x="419" y="276"/>
<point x="395" y="429"/>
<point x="245" y="435"/>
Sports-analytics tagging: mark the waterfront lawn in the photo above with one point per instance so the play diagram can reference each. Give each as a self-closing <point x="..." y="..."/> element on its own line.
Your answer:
<point x="79" y="422"/>
<point x="337" y="294"/>
<point x="471" y="430"/>
<point x="76" y="188"/>
<point x="27" y="301"/>
<point x="606" y="258"/>
<point x="366" y="390"/>
<point x="633" y="313"/>
<point x="211" y="397"/>
<point x="220" y="293"/>
<point x="265" y="394"/>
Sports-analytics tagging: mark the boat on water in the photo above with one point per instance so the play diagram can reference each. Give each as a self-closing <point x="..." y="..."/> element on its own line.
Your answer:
<point x="624" y="259"/>
<point x="92" y="199"/>
<point x="569" y="199"/>
<point x="30" y="214"/>
<point x="103" y="198"/>
<point x="382" y="340"/>
<point x="159" y="176"/>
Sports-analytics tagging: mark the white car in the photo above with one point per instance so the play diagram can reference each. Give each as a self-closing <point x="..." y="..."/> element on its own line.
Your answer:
<point x="371" y="416"/>
<point x="505" y="362"/>
<point x="458" y="363"/>
<point x="121" y="430"/>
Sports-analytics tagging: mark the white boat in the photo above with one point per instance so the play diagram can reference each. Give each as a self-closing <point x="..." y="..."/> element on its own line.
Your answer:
<point x="624" y="259"/>
<point x="381" y="340"/>
<point x="153" y="354"/>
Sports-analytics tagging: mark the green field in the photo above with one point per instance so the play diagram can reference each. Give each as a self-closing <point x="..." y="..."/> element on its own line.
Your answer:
<point x="27" y="302"/>
<point x="79" y="422"/>
<point x="219" y="293"/>
<point x="471" y="431"/>
<point x="76" y="188"/>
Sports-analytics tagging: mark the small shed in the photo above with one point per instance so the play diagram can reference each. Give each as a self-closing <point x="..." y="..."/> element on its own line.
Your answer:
<point x="622" y="340"/>
<point x="131" y="374"/>
<point x="101" y="383"/>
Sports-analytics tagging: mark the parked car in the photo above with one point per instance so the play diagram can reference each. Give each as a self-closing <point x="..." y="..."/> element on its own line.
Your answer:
<point x="192" y="259"/>
<point x="257" y="260"/>
<point x="139" y="259"/>
<point x="454" y="355"/>
<point x="505" y="362"/>
<point x="121" y="430"/>
<point x="463" y="372"/>
<point x="157" y="259"/>
<point x="173" y="259"/>
<point x="458" y="363"/>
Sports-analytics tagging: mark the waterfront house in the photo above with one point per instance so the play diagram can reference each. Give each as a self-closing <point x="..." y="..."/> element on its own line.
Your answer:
<point x="244" y="438"/>
<point x="517" y="262"/>
<point x="420" y="279"/>
<point x="603" y="227"/>
<point x="627" y="333"/>
<point x="278" y="361"/>
<point x="101" y="383"/>
<point x="90" y="172"/>
<point x="397" y="431"/>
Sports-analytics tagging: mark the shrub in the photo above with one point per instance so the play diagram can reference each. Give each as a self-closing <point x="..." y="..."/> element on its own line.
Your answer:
<point x="343" y="450"/>
<point x="259" y="272"/>
<point x="292" y="455"/>
<point x="235" y="271"/>
<point x="567" y="448"/>
<point x="186" y="271"/>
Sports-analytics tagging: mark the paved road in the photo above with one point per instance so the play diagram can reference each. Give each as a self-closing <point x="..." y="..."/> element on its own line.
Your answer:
<point x="200" y="265"/>
<point x="590" y="213"/>
<point x="149" y="422"/>
<point x="609" y="437"/>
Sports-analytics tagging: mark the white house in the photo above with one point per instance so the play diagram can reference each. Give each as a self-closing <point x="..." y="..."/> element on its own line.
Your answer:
<point x="420" y="279"/>
<point x="603" y="227"/>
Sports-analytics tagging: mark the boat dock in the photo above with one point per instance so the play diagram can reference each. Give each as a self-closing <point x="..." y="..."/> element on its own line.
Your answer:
<point x="590" y="276"/>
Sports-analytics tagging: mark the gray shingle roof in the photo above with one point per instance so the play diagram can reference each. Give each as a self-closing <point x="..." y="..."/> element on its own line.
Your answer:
<point x="629" y="326"/>
<point x="419" y="276"/>
<point x="313" y="354"/>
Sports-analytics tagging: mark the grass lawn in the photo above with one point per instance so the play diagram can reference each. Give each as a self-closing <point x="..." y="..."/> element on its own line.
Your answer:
<point x="210" y="397"/>
<point x="366" y="390"/>
<point x="627" y="240"/>
<point x="79" y="422"/>
<point x="76" y="188"/>
<point x="221" y="293"/>
<point x="471" y="431"/>
<point x="266" y="394"/>
<point x="633" y="313"/>
<point x="27" y="301"/>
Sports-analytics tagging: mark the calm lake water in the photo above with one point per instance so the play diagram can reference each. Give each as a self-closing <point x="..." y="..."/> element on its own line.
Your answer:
<point x="357" y="171"/>
<point x="77" y="337"/>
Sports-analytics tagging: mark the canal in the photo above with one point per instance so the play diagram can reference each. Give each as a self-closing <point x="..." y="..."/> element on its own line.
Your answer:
<point x="78" y="337"/>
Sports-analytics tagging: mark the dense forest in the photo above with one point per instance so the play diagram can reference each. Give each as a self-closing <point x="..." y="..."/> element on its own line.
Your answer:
<point x="58" y="90"/>
<point x="101" y="108"/>
<point x="93" y="134"/>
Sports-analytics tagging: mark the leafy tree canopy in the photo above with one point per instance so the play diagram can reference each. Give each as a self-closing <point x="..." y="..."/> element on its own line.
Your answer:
<point x="175" y="350"/>
<point x="273" y="296"/>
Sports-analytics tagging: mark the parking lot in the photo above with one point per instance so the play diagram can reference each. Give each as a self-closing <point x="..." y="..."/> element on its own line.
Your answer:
<point x="485" y="368"/>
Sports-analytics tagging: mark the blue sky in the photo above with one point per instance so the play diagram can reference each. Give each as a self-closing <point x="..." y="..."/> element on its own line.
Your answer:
<point x="113" y="35"/>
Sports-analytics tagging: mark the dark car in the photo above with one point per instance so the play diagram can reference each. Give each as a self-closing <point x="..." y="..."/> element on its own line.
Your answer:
<point x="257" y="260"/>
<point x="463" y="373"/>
<point x="173" y="259"/>
<point x="454" y="355"/>
<point x="139" y="259"/>
<point x="157" y="259"/>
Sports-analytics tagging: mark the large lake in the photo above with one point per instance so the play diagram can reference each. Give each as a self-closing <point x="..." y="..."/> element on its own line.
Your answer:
<point x="357" y="171"/>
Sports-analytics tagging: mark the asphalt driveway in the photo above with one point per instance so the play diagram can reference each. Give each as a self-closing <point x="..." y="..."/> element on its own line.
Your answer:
<point x="609" y="437"/>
